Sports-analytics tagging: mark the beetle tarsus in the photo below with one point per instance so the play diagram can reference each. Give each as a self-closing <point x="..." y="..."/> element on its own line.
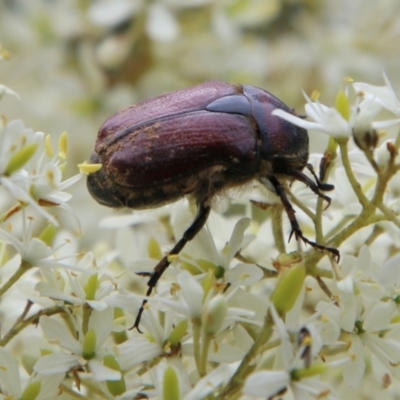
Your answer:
<point x="315" y="187"/>
<point x="326" y="187"/>
<point x="280" y="191"/>
<point x="195" y="227"/>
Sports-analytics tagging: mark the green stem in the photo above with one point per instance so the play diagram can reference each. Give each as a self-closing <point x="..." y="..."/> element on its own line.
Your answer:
<point x="276" y="219"/>
<point x="24" y="266"/>
<point x="374" y="235"/>
<point x="314" y="256"/>
<point x="196" y="341"/>
<point x="350" y="175"/>
<point x="247" y="365"/>
<point x="204" y="354"/>
<point x="34" y="319"/>
<point x="339" y="227"/>
<point x="389" y="214"/>
<point x="300" y="205"/>
<point x="149" y="365"/>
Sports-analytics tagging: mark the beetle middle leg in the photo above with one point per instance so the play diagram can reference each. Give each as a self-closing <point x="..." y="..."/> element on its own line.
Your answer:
<point x="280" y="191"/>
<point x="203" y="212"/>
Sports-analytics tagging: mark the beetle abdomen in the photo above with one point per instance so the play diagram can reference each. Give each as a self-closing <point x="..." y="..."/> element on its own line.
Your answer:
<point x="161" y="161"/>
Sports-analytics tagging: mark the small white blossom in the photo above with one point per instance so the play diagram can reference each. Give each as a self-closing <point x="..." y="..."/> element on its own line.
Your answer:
<point x="101" y="324"/>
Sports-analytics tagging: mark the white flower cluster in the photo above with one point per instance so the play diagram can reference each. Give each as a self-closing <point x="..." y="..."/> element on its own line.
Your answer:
<point x="232" y="317"/>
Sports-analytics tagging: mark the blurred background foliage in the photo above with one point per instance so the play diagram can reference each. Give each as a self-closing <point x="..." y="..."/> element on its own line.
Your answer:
<point x="76" y="62"/>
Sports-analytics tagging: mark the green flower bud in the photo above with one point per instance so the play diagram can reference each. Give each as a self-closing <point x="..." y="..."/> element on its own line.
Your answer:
<point x="91" y="287"/>
<point x="116" y="388"/>
<point x="47" y="234"/>
<point x="288" y="289"/>
<point x="19" y="159"/>
<point x="31" y="391"/>
<point x="170" y="385"/>
<point x="178" y="333"/>
<point x="207" y="283"/>
<point x="89" y="344"/>
<point x="342" y="105"/>
<point x="305" y="373"/>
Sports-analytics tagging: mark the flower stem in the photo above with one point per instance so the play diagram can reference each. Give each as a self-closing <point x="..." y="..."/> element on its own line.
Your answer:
<point x="34" y="319"/>
<point x="247" y="365"/>
<point x="276" y="219"/>
<point x="204" y="354"/>
<point x="350" y="175"/>
<point x="24" y="266"/>
<point x="196" y="341"/>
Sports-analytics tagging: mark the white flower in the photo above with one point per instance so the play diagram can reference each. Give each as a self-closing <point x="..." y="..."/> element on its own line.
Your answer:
<point x="364" y="317"/>
<point x="385" y="96"/>
<point x="33" y="250"/>
<point x="361" y="116"/>
<point x="10" y="381"/>
<point x="205" y="247"/>
<point x="28" y="173"/>
<point x="286" y="374"/>
<point x="91" y="287"/>
<point x="99" y="327"/>
<point x="324" y="119"/>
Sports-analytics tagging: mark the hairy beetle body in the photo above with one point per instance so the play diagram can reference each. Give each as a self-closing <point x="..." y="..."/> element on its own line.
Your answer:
<point x="198" y="142"/>
<point x="184" y="143"/>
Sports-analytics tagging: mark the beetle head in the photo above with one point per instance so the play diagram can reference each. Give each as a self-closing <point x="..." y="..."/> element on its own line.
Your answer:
<point x="101" y="188"/>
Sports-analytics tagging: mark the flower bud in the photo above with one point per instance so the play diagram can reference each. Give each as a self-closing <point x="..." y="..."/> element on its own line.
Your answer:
<point x="91" y="287"/>
<point x="215" y="315"/>
<point x="32" y="391"/>
<point x="305" y="373"/>
<point x="288" y="289"/>
<point x="89" y="344"/>
<point x="118" y="387"/>
<point x="20" y="158"/>
<point x="342" y="105"/>
<point x="170" y="385"/>
<point x="178" y="333"/>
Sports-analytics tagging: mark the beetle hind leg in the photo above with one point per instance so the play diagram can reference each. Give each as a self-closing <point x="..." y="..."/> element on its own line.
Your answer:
<point x="296" y="231"/>
<point x="203" y="212"/>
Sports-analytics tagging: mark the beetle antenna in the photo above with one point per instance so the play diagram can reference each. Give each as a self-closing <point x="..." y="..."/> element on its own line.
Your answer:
<point x="201" y="217"/>
<point x="296" y="231"/>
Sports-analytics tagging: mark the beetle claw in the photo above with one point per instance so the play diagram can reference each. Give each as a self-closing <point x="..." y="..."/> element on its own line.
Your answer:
<point x="280" y="191"/>
<point x="299" y="236"/>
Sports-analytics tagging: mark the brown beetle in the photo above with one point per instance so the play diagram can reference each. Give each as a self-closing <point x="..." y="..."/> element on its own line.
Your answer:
<point x="198" y="142"/>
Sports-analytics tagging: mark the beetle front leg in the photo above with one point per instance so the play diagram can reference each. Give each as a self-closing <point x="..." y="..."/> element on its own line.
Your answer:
<point x="280" y="191"/>
<point x="203" y="212"/>
<point x="300" y="176"/>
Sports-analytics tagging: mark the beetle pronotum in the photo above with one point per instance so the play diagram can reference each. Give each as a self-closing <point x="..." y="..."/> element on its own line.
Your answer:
<point x="197" y="142"/>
